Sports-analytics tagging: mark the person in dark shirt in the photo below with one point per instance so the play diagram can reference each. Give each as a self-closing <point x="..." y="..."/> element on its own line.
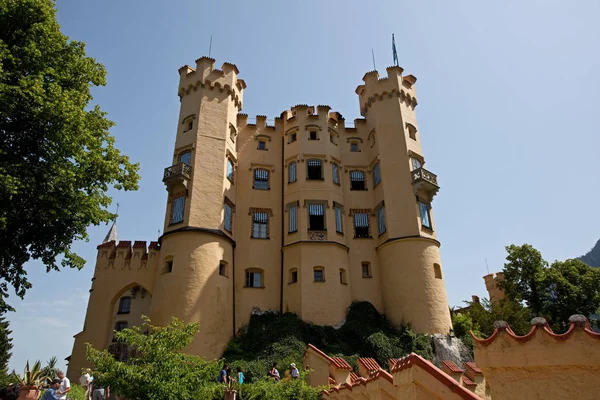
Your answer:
<point x="51" y="392"/>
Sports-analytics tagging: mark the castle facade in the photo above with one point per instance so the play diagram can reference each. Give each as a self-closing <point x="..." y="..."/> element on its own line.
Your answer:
<point x="304" y="215"/>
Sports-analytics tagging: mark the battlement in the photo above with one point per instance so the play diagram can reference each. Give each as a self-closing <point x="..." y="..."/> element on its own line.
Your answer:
<point x="205" y="76"/>
<point x="393" y="85"/>
<point x="491" y="284"/>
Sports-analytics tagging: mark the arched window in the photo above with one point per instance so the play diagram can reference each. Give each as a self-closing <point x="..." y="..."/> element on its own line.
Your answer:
<point x="343" y="276"/>
<point x="314" y="169"/>
<point x="124" y="305"/>
<point x="254" y="278"/>
<point x="292" y="172"/>
<point x="319" y="274"/>
<point x="357" y="180"/>
<point x="416" y="163"/>
<point x="293" y="275"/>
<point x="336" y="173"/>
<point x="186" y="157"/>
<point x="230" y="169"/>
<point x="437" y="270"/>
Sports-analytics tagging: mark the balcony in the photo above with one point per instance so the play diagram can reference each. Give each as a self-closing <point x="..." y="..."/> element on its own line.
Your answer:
<point x="425" y="181"/>
<point x="177" y="174"/>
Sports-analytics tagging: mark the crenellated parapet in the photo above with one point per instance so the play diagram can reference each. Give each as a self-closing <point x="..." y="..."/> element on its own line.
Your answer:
<point x="205" y="76"/>
<point x="393" y="86"/>
<point x="542" y="363"/>
<point x="126" y="254"/>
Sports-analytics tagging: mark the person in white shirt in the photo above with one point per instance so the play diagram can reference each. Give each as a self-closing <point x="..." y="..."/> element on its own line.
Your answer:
<point x="65" y="386"/>
<point x="86" y="383"/>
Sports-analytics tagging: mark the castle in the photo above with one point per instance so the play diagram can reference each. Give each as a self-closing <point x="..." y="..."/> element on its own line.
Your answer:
<point x="305" y="215"/>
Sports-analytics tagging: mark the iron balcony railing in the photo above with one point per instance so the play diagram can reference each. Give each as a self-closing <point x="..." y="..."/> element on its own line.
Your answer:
<point x="177" y="170"/>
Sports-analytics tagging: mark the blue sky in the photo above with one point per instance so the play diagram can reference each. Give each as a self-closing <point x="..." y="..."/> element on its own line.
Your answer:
<point x="507" y="115"/>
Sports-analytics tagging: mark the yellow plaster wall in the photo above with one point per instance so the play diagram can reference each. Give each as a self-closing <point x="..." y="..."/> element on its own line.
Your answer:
<point x="194" y="291"/>
<point x="319" y="367"/>
<point x="541" y="368"/>
<point x="139" y="306"/>
<point x="411" y="291"/>
<point x="112" y="278"/>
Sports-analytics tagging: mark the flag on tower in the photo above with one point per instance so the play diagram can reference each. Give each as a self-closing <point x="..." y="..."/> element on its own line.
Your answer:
<point x="394" y="51"/>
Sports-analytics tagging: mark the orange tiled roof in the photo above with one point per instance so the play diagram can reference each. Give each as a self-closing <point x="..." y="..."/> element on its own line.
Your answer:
<point x="340" y="363"/>
<point x="332" y="382"/>
<point x="124" y="243"/>
<point x="106" y="244"/>
<point x="451" y="365"/>
<point x="153" y="246"/>
<point x="369" y="364"/>
<point x="393" y="361"/>
<point x="472" y="366"/>
<point x="468" y="382"/>
<point x="353" y="377"/>
<point x="139" y="244"/>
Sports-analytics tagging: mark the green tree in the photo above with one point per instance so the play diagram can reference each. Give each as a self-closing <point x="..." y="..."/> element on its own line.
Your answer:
<point x="571" y="287"/>
<point x="483" y="314"/>
<point x="57" y="157"/>
<point x="523" y="276"/>
<point x="5" y="347"/>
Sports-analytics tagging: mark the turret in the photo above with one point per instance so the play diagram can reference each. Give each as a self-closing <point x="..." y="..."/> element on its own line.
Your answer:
<point x="196" y="249"/>
<point x="491" y="284"/>
<point x="412" y="279"/>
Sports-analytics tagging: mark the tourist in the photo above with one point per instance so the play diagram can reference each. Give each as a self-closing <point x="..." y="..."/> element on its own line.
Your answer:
<point x="51" y="392"/>
<point x="65" y="386"/>
<point x="295" y="372"/>
<point x="100" y="390"/>
<point x="86" y="383"/>
<point x="223" y="374"/>
<point x="240" y="375"/>
<point x="273" y="373"/>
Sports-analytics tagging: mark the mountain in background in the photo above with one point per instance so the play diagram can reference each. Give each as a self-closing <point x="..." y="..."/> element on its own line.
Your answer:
<point x="592" y="257"/>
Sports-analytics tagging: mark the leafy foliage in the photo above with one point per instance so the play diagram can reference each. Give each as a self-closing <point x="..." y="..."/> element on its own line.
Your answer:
<point x="51" y="369"/>
<point x="158" y="369"/>
<point x="282" y="338"/>
<point x="5" y="347"/>
<point x="33" y="376"/>
<point x="57" y="157"/>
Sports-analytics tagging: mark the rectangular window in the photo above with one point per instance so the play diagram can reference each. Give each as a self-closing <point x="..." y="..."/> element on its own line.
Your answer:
<point x="313" y="135"/>
<point x="316" y="217"/>
<point x="424" y="210"/>
<point x="223" y="268"/>
<point x="228" y="217"/>
<point x="261" y="179"/>
<point x="336" y="173"/>
<point x="292" y="218"/>
<point x="262" y="145"/>
<point x="366" y="270"/>
<point x="354" y="147"/>
<point x="376" y="175"/>
<point x="119" y="326"/>
<point x="416" y="163"/>
<point x="319" y="277"/>
<point x="357" y="180"/>
<point x="292" y="172"/>
<point x="338" y="220"/>
<point x="124" y="305"/>
<point x="293" y="137"/>
<point x="260" y="225"/>
<point x="332" y="138"/>
<point x="294" y="276"/>
<point x="177" y="210"/>
<point x="253" y="279"/>
<point x="314" y="170"/>
<point x="230" y="169"/>
<point x="381" y="220"/>
<point x="343" y="276"/>
<point x="361" y="225"/>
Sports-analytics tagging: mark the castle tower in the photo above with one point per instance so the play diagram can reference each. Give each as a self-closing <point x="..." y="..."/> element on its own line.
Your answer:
<point x="491" y="284"/>
<point x="194" y="279"/>
<point x="409" y="260"/>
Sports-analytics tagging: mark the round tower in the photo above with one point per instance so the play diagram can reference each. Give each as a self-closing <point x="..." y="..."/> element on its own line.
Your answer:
<point x="409" y="260"/>
<point x="194" y="279"/>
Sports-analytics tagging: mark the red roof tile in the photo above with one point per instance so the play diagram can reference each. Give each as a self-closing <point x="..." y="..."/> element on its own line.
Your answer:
<point x="369" y="363"/>
<point x="353" y="377"/>
<point x="472" y="366"/>
<point x="332" y="381"/>
<point x="414" y="359"/>
<point x="106" y="245"/>
<point x="468" y="382"/>
<point x="139" y="244"/>
<point x="153" y="246"/>
<point x="451" y="365"/>
<point x="340" y="363"/>
<point x="124" y="243"/>
<point x="392" y="362"/>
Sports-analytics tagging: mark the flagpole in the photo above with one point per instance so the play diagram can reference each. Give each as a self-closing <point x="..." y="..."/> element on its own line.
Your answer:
<point x="373" y="54"/>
